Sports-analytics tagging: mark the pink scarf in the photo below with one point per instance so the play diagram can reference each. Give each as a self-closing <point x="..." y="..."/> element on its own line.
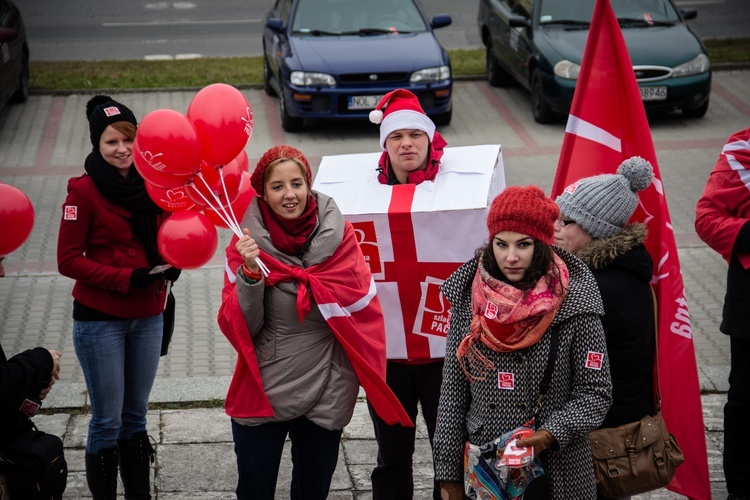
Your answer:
<point x="506" y="319"/>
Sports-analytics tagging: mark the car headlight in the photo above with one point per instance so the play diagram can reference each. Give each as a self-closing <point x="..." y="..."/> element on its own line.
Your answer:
<point x="436" y="74"/>
<point x="700" y="64"/>
<point x="308" y="79"/>
<point x="567" y="69"/>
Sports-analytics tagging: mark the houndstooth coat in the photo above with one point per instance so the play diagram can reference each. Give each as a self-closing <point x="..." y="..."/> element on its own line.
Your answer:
<point x="576" y="403"/>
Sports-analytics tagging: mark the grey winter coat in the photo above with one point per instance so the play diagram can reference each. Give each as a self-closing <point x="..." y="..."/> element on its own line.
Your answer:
<point x="305" y="370"/>
<point x="576" y="403"/>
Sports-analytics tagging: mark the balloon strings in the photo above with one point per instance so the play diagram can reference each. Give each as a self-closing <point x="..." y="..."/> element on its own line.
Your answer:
<point x="229" y="220"/>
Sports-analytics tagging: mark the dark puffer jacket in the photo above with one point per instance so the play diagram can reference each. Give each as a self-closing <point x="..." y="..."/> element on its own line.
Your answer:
<point x="622" y="268"/>
<point x="576" y="403"/>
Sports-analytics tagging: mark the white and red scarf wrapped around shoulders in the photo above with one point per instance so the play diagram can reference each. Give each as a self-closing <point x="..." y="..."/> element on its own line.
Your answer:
<point x="727" y="192"/>
<point x="352" y="311"/>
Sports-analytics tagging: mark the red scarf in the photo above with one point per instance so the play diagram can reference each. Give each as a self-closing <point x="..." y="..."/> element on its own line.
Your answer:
<point x="290" y="235"/>
<point x="418" y="176"/>
<point x="506" y="319"/>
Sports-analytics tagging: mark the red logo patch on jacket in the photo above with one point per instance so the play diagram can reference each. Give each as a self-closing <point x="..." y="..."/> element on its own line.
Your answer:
<point x="70" y="212"/>
<point x="594" y="360"/>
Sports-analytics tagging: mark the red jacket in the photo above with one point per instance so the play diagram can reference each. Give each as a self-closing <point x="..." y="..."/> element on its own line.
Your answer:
<point x="97" y="248"/>
<point x="725" y="205"/>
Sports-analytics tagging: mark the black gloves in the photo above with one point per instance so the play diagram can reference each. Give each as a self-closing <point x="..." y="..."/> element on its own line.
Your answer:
<point x="172" y="274"/>
<point x="141" y="277"/>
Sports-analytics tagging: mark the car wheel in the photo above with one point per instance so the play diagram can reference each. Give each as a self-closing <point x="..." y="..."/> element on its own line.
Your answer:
<point x="22" y="92"/>
<point x="496" y="75"/>
<point x="267" y="78"/>
<point x="541" y="110"/>
<point x="443" y="118"/>
<point x="698" y="112"/>
<point x="288" y="123"/>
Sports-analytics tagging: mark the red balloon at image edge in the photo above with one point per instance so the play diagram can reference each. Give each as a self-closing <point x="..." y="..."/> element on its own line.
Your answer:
<point x="16" y="218"/>
<point x="187" y="240"/>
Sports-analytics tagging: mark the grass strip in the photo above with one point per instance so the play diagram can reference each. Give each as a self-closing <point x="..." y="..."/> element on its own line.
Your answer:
<point x="247" y="71"/>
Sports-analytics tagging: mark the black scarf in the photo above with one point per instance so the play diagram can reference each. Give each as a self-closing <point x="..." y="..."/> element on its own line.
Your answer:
<point x="130" y="193"/>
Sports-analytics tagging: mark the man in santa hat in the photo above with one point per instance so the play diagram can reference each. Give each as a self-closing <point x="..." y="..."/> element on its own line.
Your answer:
<point x="412" y="150"/>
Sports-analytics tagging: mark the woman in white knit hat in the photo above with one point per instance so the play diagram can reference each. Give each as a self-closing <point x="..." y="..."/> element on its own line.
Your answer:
<point x="593" y="225"/>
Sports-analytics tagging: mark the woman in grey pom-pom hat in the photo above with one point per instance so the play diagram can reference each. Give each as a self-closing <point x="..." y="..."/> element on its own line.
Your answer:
<point x="593" y="225"/>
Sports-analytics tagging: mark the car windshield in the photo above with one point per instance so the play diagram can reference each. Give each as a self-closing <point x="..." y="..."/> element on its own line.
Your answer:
<point x="578" y="12"/>
<point x="356" y="17"/>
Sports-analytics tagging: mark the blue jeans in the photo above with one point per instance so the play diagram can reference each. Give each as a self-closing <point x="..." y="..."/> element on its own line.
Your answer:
<point x="315" y="451"/>
<point x="119" y="359"/>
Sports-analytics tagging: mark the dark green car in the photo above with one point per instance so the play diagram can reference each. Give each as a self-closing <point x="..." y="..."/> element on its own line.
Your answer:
<point x="540" y="43"/>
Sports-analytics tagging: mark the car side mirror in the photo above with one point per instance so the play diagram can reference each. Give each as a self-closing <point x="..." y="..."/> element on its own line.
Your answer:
<point x="275" y="24"/>
<point x="8" y="35"/>
<point x="519" y="22"/>
<point x="440" y="21"/>
<point x="689" y="13"/>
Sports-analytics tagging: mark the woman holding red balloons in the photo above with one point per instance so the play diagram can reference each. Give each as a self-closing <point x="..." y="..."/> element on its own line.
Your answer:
<point x="299" y="306"/>
<point x="108" y="244"/>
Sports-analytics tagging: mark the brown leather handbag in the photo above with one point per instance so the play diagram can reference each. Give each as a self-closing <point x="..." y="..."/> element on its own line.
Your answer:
<point x="636" y="457"/>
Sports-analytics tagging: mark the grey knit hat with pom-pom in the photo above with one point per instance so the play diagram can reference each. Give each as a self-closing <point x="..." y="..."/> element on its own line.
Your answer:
<point x="603" y="204"/>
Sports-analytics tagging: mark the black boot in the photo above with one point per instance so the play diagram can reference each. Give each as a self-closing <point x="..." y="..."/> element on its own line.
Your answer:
<point x="136" y="456"/>
<point x="101" y="474"/>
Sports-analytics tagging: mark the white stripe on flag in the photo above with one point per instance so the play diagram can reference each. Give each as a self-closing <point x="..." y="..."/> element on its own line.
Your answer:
<point x="231" y="276"/>
<point x="582" y="128"/>
<point x="333" y="310"/>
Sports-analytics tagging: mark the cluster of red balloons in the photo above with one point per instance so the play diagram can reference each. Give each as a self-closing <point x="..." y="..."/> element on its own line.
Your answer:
<point x="195" y="166"/>
<point x="16" y="218"/>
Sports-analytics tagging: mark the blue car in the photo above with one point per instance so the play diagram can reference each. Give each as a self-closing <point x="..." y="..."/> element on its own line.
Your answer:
<point x="335" y="59"/>
<point x="540" y="43"/>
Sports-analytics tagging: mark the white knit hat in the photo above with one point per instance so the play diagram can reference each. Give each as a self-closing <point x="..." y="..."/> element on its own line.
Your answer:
<point x="400" y="109"/>
<point x="603" y="204"/>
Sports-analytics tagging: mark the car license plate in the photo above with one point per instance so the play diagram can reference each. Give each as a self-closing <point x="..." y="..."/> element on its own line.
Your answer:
<point x="653" y="93"/>
<point x="364" y="101"/>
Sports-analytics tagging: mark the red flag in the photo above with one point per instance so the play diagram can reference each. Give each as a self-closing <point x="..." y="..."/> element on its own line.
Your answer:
<point x="607" y="124"/>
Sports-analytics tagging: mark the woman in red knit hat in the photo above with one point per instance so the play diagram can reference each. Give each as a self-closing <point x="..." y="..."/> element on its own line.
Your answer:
<point x="516" y="305"/>
<point x="308" y="330"/>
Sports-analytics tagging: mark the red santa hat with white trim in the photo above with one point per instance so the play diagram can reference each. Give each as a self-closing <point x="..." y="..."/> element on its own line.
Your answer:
<point x="400" y="109"/>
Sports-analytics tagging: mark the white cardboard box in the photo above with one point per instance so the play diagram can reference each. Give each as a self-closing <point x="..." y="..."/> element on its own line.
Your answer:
<point x="415" y="236"/>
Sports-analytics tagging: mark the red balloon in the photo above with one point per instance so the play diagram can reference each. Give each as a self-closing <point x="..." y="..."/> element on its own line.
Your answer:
<point x="243" y="161"/>
<point x="169" y="142"/>
<point x="224" y="121"/>
<point x="171" y="199"/>
<point x="153" y="176"/>
<point x="16" y="218"/>
<point x="218" y="178"/>
<point x="237" y="207"/>
<point x="187" y="240"/>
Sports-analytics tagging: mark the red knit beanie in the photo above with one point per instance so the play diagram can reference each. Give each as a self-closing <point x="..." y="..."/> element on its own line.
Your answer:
<point x="270" y="156"/>
<point x="525" y="210"/>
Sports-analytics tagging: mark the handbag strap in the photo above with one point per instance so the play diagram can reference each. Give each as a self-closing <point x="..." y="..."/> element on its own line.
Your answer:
<point x="657" y="389"/>
<point x="547" y="378"/>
